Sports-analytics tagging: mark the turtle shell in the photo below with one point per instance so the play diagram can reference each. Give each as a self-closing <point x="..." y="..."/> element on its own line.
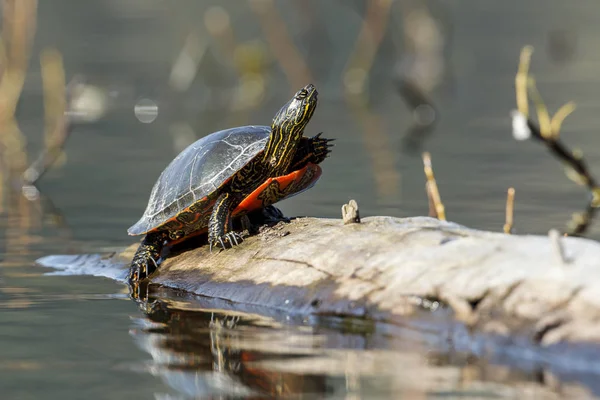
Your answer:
<point x="199" y="171"/>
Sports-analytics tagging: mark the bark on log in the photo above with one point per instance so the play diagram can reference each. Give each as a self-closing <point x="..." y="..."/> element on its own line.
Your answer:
<point x="547" y="287"/>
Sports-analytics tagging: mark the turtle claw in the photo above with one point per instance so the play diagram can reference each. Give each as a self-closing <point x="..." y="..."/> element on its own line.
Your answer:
<point x="138" y="291"/>
<point x="136" y="273"/>
<point x="141" y="268"/>
<point x="321" y="147"/>
<point x="227" y="241"/>
<point x="146" y="259"/>
<point x="233" y="238"/>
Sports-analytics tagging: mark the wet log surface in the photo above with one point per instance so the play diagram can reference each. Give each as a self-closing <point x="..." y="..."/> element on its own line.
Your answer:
<point x="546" y="288"/>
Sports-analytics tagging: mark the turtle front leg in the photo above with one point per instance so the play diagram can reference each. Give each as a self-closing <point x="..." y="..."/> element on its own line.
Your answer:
<point x="220" y="233"/>
<point x="145" y="260"/>
<point x="313" y="150"/>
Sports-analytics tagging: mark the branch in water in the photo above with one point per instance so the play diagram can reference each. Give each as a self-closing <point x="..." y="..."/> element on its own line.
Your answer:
<point x="547" y="131"/>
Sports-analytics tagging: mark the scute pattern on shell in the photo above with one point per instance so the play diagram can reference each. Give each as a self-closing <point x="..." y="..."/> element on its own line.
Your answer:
<point x="198" y="171"/>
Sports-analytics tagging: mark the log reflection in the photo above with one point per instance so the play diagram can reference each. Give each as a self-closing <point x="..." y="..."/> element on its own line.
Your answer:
<point x="204" y="347"/>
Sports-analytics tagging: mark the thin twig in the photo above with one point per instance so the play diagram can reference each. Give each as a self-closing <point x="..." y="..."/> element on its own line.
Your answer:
<point x="559" y="117"/>
<point x="510" y="207"/>
<point x="543" y="116"/>
<point x="432" y="212"/>
<point x="433" y="189"/>
<point x="581" y="221"/>
<point x="521" y="81"/>
<point x="571" y="159"/>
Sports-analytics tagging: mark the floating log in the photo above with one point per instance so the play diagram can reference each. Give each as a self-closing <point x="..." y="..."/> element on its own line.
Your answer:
<point x="544" y="287"/>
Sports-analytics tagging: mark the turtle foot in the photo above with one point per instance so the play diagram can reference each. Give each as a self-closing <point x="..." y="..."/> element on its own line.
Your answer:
<point x="141" y="267"/>
<point x="227" y="241"/>
<point x="138" y="291"/>
<point x="147" y="257"/>
<point x="321" y="148"/>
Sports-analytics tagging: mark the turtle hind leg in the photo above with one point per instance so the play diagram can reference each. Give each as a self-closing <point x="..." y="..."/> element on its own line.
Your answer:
<point x="220" y="233"/>
<point x="272" y="215"/>
<point x="145" y="260"/>
<point x="269" y="215"/>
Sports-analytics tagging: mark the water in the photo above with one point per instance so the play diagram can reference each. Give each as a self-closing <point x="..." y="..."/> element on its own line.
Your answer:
<point x="80" y="337"/>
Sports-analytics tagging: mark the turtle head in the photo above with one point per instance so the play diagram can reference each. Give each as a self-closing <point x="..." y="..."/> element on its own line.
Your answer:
<point x="288" y="126"/>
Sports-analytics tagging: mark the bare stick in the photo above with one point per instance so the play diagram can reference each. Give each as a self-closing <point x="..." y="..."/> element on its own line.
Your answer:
<point x="432" y="212"/>
<point x="510" y="206"/>
<point x="433" y="189"/>
<point x="557" y="246"/>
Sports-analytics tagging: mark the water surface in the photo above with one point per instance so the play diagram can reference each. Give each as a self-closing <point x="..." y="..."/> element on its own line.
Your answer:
<point x="81" y="337"/>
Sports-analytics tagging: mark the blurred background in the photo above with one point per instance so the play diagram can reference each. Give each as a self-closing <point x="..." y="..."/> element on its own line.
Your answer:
<point x="189" y="68"/>
<point x="149" y="77"/>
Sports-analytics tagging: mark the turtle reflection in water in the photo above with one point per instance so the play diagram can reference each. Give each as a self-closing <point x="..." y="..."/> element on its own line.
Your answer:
<point x="228" y="174"/>
<point x="204" y="353"/>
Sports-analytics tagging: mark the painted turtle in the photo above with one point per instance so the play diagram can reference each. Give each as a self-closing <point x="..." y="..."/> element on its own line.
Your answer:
<point x="228" y="174"/>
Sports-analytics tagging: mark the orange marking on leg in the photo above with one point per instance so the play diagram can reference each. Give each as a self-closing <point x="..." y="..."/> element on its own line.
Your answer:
<point x="252" y="202"/>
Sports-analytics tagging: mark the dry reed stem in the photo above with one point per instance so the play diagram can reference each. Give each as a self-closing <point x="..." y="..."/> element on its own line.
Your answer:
<point x="433" y="189"/>
<point x="432" y="212"/>
<point x="541" y="110"/>
<point x="559" y="117"/>
<point x="510" y="207"/>
<point x="521" y="80"/>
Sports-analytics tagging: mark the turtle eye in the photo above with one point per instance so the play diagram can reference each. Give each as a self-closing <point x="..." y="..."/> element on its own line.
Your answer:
<point x="302" y="94"/>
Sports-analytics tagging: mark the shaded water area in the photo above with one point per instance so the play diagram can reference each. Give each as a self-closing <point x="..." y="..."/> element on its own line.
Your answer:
<point x="81" y="337"/>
